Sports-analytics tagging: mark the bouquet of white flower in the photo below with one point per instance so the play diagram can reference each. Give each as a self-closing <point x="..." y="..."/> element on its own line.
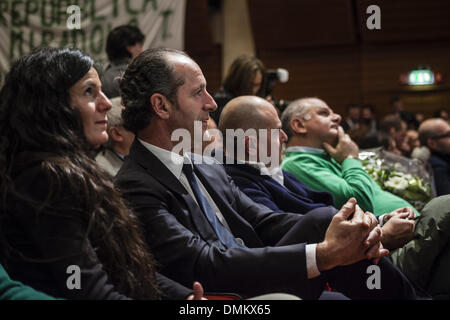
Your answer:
<point x="407" y="178"/>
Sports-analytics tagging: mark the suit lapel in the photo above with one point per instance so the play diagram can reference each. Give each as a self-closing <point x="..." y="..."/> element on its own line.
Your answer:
<point x="160" y="172"/>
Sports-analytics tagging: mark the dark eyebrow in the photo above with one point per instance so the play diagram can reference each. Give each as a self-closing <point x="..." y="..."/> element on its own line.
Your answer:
<point x="200" y="87"/>
<point x="90" y="83"/>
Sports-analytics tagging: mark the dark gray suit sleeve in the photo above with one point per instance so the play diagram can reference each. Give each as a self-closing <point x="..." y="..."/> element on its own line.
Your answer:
<point x="171" y="290"/>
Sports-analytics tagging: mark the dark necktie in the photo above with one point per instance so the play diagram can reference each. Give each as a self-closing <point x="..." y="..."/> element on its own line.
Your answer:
<point x="224" y="235"/>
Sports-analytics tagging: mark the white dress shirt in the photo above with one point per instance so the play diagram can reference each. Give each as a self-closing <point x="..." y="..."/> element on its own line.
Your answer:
<point x="174" y="162"/>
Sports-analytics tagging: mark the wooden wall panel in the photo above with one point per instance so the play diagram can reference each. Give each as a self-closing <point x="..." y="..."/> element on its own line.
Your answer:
<point x="406" y="20"/>
<point x="199" y="43"/>
<point x="341" y="75"/>
<point x="382" y="65"/>
<point x="350" y="69"/>
<point x="301" y="23"/>
<point x="198" y="34"/>
<point x="332" y="74"/>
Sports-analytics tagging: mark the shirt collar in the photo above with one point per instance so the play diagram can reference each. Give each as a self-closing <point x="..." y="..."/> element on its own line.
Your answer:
<point x="173" y="161"/>
<point x="275" y="173"/>
<point x="305" y="149"/>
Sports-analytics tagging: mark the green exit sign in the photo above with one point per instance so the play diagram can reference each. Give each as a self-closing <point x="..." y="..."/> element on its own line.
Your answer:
<point x="420" y="77"/>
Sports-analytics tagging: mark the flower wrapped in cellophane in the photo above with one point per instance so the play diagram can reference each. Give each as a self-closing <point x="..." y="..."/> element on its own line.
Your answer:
<point x="408" y="178"/>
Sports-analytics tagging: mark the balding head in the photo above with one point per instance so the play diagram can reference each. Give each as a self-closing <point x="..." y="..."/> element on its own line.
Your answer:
<point x="246" y="112"/>
<point x="298" y="108"/>
<point x="431" y="129"/>
<point x="248" y="117"/>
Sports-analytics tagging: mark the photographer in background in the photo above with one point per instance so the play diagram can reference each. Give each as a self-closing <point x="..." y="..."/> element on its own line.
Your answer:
<point x="245" y="77"/>
<point x="272" y="77"/>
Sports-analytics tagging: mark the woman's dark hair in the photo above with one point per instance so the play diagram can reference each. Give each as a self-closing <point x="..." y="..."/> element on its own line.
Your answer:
<point x="241" y="74"/>
<point x="149" y="73"/>
<point x="119" y="39"/>
<point x="39" y="124"/>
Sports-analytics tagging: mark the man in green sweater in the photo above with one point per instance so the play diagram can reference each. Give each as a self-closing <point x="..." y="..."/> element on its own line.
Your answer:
<point x="323" y="157"/>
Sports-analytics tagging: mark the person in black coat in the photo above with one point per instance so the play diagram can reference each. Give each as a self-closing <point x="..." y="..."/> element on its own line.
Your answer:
<point x="65" y="230"/>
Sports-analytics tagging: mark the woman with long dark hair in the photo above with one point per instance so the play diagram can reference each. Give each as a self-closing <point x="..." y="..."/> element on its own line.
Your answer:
<point x="64" y="228"/>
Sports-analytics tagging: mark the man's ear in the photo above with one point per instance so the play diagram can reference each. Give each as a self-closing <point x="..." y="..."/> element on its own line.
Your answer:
<point x="298" y="125"/>
<point x="114" y="134"/>
<point x="431" y="144"/>
<point x="160" y="105"/>
<point x="251" y="147"/>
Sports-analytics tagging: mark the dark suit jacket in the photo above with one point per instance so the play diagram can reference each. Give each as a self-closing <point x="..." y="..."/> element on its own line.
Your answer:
<point x="293" y="197"/>
<point x="440" y="163"/>
<point x="188" y="249"/>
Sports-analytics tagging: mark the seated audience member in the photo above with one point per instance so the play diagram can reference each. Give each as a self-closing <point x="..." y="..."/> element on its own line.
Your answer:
<point x="245" y="77"/>
<point x="369" y="125"/>
<point x="435" y="134"/>
<point x="393" y="130"/>
<point x="351" y="121"/>
<point x="399" y="110"/>
<point x="419" y="118"/>
<point x="441" y="113"/>
<point x="413" y="141"/>
<point x="123" y="44"/>
<point x="201" y="226"/>
<point x="110" y="158"/>
<point x="14" y="290"/>
<point x="58" y="208"/>
<point x="324" y="158"/>
<point x="268" y="184"/>
<point x="368" y="118"/>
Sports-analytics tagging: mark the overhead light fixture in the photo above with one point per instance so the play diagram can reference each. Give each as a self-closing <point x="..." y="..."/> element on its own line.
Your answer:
<point x="421" y="75"/>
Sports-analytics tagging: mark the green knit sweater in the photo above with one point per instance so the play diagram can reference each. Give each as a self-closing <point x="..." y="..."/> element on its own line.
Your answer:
<point x="320" y="172"/>
<point x="13" y="290"/>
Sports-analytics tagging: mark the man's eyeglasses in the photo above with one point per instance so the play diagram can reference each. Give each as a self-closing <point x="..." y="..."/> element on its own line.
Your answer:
<point x="441" y="136"/>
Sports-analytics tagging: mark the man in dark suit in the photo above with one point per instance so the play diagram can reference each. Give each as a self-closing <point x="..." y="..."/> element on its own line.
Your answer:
<point x="277" y="189"/>
<point x="435" y="135"/>
<point x="200" y="226"/>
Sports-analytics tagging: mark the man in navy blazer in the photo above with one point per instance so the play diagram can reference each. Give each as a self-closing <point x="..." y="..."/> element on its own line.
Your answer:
<point x="434" y="133"/>
<point x="245" y="247"/>
<point x="263" y="189"/>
